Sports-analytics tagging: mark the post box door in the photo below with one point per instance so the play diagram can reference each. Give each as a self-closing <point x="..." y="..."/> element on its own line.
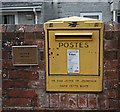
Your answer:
<point x="73" y="52"/>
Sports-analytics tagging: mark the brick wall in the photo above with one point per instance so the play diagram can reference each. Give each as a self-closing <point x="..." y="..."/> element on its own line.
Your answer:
<point x="23" y="87"/>
<point x="112" y="65"/>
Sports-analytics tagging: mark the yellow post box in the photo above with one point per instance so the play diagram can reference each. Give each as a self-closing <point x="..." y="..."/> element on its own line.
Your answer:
<point x="74" y="55"/>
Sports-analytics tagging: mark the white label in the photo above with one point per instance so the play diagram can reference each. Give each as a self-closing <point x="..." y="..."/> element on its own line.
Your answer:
<point x="73" y="61"/>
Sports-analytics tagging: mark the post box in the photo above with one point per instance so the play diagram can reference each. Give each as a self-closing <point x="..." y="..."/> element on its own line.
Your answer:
<point x="74" y="55"/>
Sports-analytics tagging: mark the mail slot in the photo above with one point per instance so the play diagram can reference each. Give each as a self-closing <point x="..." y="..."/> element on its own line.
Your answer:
<point x="74" y="55"/>
<point x="73" y="36"/>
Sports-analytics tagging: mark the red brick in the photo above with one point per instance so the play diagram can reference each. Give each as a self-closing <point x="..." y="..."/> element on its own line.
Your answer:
<point x="92" y="101"/>
<point x="36" y="68"/>
<point x="112" y="74"/>
<point x="21" y="93"/>
<point x="14" y="84"/>
<point x="37" y="84"/>
<point x="29" y="38"/>
<point x="111" y="65"/>
<point x="105" y="84"/>
<point x="106" y="35"/>
<point x="40" y="43"/>
<point x="104" y="77"/>
<point x="113" y="84"/>
<point x="110" y="55"/>
<point x="29" y="28"/>
<point x="119" y="94"/>
<point x="112" y="94"/>
<point x="113" y="103"/>
<point x="9" y="63"/>
<point x="111" y="44"/>
<point x="118" y="105"/>
<point x="63" y="100"/>
<point x="35" y="102"/>
<point x="38" y="27"/>
<point x="4" y="54"/>
<point x="21" y="36"/>
<point x="42" y="55"/>
<point x="72" y="101"/>
<point x="4" y="63"/>
<point x="54" y="100"/>
<point x="4" y="92"/>
<point x="82" y="101"/>
<point x="10" y="36"/>
<point x="43" y="99"/>
<point x="119" y="42"/>
<point x="119" y="66"/>
<point x="20" y="68"/>
<point x="39" y="35"/>
<point x="115" y="35"/>
<point x="40" y="67"/>
<point x="5" y="74"/>
<point x="10" y="55"/>
<point x="29" y="35"/>
<point x="19" y="109"/>
<point x="21" y="102"/>
<point x="111" y="35"/>
<point x="118" y="54"/>
<point x="102" y="101"/>
<point x="23" y="74"/>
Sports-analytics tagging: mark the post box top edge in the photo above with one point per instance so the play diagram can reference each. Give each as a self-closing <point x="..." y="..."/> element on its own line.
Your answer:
<point x="74" y="18"/>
